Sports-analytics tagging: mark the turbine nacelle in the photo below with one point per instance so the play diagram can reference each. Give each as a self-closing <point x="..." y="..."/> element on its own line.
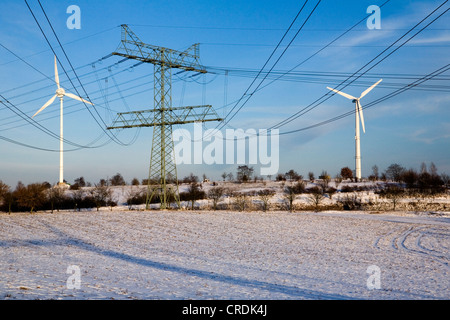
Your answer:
<point x="60" y="93"/>
<point x="355" y="100"/>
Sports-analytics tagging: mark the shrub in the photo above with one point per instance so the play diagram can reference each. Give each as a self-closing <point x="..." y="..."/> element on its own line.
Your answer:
<point x="346" y="173"/>
<point x="136" y="197"/>
<point x="350" y="202"/>
<point x="392" y="192"/>
<point x="215" y="194"/>
<point x="194" y="193"/>
<point x="315" y="197"/>
<point x="347" y="189"/>
<point x="265" y="196"/>
<point x="117" y="180"/>
<point x="31" y="197"/>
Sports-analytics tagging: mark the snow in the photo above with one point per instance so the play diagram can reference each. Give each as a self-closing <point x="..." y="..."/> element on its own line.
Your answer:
<point x="204" y="254"/>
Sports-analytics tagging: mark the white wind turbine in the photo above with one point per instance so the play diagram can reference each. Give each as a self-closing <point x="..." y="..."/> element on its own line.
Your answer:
<point x="358" y="114"/>
<point x="60" y="93"/>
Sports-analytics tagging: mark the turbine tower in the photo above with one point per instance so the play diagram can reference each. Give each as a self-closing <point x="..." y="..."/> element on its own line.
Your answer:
<point x="358" y="115"/>
<point x="60" y="93"/>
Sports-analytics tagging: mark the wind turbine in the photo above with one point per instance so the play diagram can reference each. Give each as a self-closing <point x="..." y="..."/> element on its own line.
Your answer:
<point x="358" y="114"/>
<point x="60" y="93"/>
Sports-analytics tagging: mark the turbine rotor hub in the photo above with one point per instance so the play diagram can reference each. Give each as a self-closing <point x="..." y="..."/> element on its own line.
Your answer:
<point x="60" y="92"/>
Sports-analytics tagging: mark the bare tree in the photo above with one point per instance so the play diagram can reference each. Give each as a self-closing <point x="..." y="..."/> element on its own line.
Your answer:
<point x="78" y="197"/>
<point x="240" y="201"/>
<point x="136" y="196"/>
<point x="423" y="168"/>
<point x="265" y="196"/>
<point x="191" y="178"/>
<point x="410" y="177"/>
<point x="101" y="195"/>
<point x="215" y="194"/>
<point x="315" y="197"/>
<point x="5" y="195"/>
<point x="375" y="172"/>
<point x="32" y="196"/>
<point x="117" y="180"/>
<point x="293" y="175"/>
<point x="80" y="182"/>
<point x="324" y="180"/>
<point x="337" y="180"/>
<point x="55" y="196"/>
<point x="445" y="179"/>
<point x="290" y="195"/>
<point x="331" y="191"/>
<point x="433" y="169"/>
<point x="393" y="193"/>
<point x="244" y="173"/>
<point x="4" y="188"/>
<point x="193" y="193"/>
<point x="394" y="172"/>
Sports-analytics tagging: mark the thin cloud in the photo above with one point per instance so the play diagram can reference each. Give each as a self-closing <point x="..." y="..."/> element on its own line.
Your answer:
<point x="430" y="136"/>
<point x="443" y="38"/>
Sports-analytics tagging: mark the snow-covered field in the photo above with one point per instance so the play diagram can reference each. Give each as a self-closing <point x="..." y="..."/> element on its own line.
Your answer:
<point x="224" y="255"/>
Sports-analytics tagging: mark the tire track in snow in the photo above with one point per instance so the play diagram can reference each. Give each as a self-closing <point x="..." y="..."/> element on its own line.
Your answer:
<point x="410" y="240"/>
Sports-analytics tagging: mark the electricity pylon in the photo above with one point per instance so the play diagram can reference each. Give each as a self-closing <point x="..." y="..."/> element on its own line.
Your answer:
<point x="162" y="117"/>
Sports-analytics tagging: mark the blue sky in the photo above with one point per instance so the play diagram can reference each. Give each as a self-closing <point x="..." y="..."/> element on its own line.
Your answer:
<point x="410" y="128"/>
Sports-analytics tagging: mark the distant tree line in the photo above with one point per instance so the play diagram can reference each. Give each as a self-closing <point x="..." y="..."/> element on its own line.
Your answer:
<point x="398" y="182"/>
<point x="42" y="196"/>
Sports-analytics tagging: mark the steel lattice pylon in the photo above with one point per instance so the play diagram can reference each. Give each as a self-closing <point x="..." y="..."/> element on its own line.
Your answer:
<point x="162" y="173"/>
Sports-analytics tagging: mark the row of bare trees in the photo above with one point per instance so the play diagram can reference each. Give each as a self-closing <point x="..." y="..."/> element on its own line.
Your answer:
<point x="237" y="200"/>
<point x="42" y="196"/>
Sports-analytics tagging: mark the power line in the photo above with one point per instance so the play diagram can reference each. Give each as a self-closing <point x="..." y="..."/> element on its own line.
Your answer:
<point x="303" y="45"/>
<point x="333" y="77"/>
<point x="21" y="59"/>
<point x="317" y="52"/>
<point x="111" y="136"/>
<point x="70" y="42"/>
<point x="267" y="61"/>
<point x="51" y="47"/>
<point x="47" y="77"/>
<point x="345" y="82"/>
<point x="358" y="75"/>
<point x="18" y="112"/>
<point x="266" y="29"/>
<point x="428" y="77"/>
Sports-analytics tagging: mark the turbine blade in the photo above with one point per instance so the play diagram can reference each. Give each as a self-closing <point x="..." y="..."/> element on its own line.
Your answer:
<point x="361" y="116"/>
<point x="49" y="102"/>
<point x="56" y="74"/>
<point x="370" y="89"/>
<point x="342" y="94"/>
<point x="77" y="98"/>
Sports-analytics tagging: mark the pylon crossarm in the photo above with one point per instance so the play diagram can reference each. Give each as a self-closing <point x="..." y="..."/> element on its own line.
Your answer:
<point x="132" y="47"/>
<point x="149" y="118"/>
